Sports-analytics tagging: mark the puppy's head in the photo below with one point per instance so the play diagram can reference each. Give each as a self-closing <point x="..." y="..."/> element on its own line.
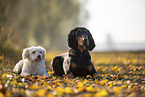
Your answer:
<point x="80" y="38"/>
<point x="35" y="54"/>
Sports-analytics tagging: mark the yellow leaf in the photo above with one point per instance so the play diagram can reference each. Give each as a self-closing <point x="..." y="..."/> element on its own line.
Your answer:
<point x="80" y="84"/>
<point x="1" y="94"/>
<point x="2" y="28"/>
<point x="41" y="92"/>
<point x="90" y="89"/>
<point x="4" y="75"/>
<point x="22" y="90"/>
<point x="19" y="84"/>
<point x="14" y="82"/>
<point x="60" y="84"/>
<point x="49" y="87"/>
<point x="110" y="85"/>
<point x="115" y="67"/>
<point x="124" y="86"/>
<point x="33" y="86"/>
<point x="49" y="72"/>
<point x="50" y="95"/>
<point x="37" y="76"/>
<point x="116" y="90"/>
<point x="80" y="89"/>
<point x="43" y="77"/>
<point x="101" y="93"/>
<point x="1" y="57"/>
<point x="8" y="94"/>
<point x="103" y="82"/>
<point x="118" y="82"/>
<point x="68" y="90"/>
<point x="87" y="95"/>
<point x="85" y="81"/>
<point x="59" y="89"/>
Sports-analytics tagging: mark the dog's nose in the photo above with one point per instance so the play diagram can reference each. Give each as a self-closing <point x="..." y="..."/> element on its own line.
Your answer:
<point x="85" y="40"/>
<point x="39" y="56"/>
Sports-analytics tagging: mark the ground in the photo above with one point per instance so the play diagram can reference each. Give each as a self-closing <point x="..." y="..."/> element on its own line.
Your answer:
<point x="123" y="74"/>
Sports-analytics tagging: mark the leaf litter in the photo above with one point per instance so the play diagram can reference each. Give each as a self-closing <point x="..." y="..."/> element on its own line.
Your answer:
<point x="123" y="75"/>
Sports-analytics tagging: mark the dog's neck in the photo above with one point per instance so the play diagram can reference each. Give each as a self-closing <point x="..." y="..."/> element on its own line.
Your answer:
<point x="80" y="56"/>
<point x="81" y="49"/>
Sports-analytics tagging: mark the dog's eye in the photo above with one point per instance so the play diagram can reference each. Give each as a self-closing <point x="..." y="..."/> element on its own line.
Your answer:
<point x="40" y="52"/>
<point x="33" y="52"/>
<point x="79" y="33"/>
<point x="86" y="31"/>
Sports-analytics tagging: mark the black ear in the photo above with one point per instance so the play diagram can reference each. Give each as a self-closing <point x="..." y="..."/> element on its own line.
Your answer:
<point x="72" y="42"/>
<point x="91" y="41"/>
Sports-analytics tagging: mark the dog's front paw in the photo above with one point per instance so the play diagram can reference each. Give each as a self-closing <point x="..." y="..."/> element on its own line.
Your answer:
<point x="97" y="76"/>
<point x="24" y="74"/>
<point x="15" y="71"/>
<point x="44" y="74"/>
<point x="70" y="75"/>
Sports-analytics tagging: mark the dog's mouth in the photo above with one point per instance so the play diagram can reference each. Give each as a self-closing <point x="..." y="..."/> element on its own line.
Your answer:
<point x="38" y="59"/>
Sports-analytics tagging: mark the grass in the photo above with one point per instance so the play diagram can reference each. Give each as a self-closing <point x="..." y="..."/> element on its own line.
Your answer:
<point x="123" y="75"/>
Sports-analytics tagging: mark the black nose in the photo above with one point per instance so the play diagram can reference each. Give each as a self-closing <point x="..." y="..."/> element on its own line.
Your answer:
<point x="85" y="40"/>
<point x="39" y="56"/>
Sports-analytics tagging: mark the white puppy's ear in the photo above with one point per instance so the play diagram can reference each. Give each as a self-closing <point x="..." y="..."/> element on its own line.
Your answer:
<point x="44" y="53"/>
<point x="25" y="54"/>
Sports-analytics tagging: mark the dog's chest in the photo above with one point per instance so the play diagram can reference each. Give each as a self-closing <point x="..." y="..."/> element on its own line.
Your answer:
<point x="35" y="68"/>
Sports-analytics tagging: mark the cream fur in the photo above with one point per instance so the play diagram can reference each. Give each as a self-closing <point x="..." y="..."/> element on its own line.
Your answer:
<point x="31" y="64"/>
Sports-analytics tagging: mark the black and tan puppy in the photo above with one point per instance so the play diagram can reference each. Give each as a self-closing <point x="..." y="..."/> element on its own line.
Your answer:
<point x="77" y="62"/>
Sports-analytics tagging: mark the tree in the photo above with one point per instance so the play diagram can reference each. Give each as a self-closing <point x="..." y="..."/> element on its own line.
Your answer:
<point x="42" y="22"/>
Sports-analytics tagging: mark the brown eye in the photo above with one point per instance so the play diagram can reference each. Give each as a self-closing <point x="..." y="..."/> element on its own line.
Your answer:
<point x="33" y="52"/>
<point x="79" y="33"/>
<point x="40" y="52"/>
<point x="85" y="31"/>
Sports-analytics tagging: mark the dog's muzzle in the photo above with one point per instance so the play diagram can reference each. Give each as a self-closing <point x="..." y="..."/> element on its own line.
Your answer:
<point x="38" y="58"/>
<point x="84" y="41"/>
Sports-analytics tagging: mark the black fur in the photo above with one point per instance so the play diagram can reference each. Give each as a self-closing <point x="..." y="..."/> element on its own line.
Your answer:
<point x="76" y="62"/>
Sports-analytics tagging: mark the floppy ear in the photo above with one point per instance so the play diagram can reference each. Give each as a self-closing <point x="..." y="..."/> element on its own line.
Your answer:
<point x="71" y="40"/>
<point x="25" y="54"/>
<point x="44" y="53"/>
<point x="91" y="41"/>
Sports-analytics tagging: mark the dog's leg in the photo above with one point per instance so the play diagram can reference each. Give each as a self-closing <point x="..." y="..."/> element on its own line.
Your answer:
<point x="44" y="74"/>
<point x="57" y="65"/>
<point x="92" y="71"/>
<point x="70" y="75"/>
<point x="95" y="75"/>
<point x="26" y="69"/>
<point x="72" y="69"/>
<point x="18" y="68"/>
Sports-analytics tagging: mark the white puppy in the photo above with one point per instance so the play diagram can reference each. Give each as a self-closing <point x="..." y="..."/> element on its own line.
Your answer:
<point x="33" y="62"/>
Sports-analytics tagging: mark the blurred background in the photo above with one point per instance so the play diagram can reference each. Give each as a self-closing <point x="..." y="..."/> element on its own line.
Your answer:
<point x="116" y="25"/>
